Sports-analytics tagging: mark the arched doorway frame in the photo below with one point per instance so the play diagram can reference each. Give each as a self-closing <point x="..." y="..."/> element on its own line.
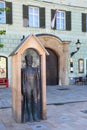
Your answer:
<point x="61" y="49"/>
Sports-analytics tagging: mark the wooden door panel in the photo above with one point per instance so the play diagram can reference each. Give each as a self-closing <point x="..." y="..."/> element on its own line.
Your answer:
<point x="51" y="68"/>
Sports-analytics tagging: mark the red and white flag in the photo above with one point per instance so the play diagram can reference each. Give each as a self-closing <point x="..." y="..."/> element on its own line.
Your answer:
<point x="54" y="18"/>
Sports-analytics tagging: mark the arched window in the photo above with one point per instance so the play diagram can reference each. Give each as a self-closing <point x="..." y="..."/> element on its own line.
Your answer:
<point x="81" y="65"/>
<point x="3" y="67"/>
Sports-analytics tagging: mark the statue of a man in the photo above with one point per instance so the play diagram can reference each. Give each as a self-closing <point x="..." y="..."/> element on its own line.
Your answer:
<point x="30" y="91"/>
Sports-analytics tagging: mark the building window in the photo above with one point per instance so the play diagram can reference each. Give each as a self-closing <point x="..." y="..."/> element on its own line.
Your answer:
<point x="62" y="21"/>
<point x="2" y="13"/>
<point x="6" y="16"/>
<point x="84" y="22"/>
<point x="3" y="67"/>
<point x="81" y="65"/>
<point x="85" y="66"/>
<point x="33" y="17"/>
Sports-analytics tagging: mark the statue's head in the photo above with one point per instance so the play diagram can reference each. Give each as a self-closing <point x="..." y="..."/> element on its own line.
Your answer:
<point x="29" y="59"/>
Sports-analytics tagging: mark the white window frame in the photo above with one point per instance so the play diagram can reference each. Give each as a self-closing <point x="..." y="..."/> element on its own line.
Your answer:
<point x="4" y="14"/>
<point x="33" y="16"/>
<point x="60" y="25"/>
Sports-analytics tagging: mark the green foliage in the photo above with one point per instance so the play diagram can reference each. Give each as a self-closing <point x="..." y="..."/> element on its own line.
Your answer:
<point x="1" y="45"/>
<point x="4" y="9"/>
<point x="2" y="32"/>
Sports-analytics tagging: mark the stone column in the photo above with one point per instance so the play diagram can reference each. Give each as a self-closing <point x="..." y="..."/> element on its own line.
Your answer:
<point x="65" y="63"/>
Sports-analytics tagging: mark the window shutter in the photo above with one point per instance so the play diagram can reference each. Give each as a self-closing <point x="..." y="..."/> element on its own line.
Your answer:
<point x="42" y="17"/>
<point x="83" y="22"/>
<point x="9" y="13"/>
<point x="25" y="16"/>
<point x="68" y="20"/>
<point x="52" y="16"/>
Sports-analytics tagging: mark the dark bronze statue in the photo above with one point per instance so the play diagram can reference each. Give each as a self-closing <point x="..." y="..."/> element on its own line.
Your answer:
<point x="30" y="92"/>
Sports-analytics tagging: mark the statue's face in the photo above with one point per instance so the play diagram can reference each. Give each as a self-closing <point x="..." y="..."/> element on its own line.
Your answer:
<point x="29" y="60"/>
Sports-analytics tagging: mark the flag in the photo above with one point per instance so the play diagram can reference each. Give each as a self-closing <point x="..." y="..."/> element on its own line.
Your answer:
<point x="53" y="20"/>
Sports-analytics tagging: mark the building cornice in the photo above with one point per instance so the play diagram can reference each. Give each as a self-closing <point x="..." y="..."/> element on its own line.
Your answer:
<point x="78" y="3"/>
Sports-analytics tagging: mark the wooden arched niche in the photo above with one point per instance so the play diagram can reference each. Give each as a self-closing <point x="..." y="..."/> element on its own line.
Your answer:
<point x="31" y="42"/>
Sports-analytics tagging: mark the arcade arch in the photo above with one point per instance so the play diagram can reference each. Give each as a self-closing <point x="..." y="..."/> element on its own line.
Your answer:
<point x="60" y="48"/>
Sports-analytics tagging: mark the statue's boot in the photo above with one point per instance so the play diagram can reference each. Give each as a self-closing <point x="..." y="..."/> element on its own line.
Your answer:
<point x="30" y="113"/>
<point x="24" y="111"/>
<point x="35" y="113"/>
<point x="30" y="117"/>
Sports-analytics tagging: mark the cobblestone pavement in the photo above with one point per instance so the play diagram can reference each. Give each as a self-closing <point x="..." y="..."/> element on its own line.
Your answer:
<point x="69" y="112"/>
<point x="70" y="116"/>
<point x="5" y="97"/>
<point x="66" y="94"/>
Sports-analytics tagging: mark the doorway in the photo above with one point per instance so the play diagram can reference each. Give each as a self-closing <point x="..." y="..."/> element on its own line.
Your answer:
<point x="60" y="49"/>
<point x="51" y="68"/>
